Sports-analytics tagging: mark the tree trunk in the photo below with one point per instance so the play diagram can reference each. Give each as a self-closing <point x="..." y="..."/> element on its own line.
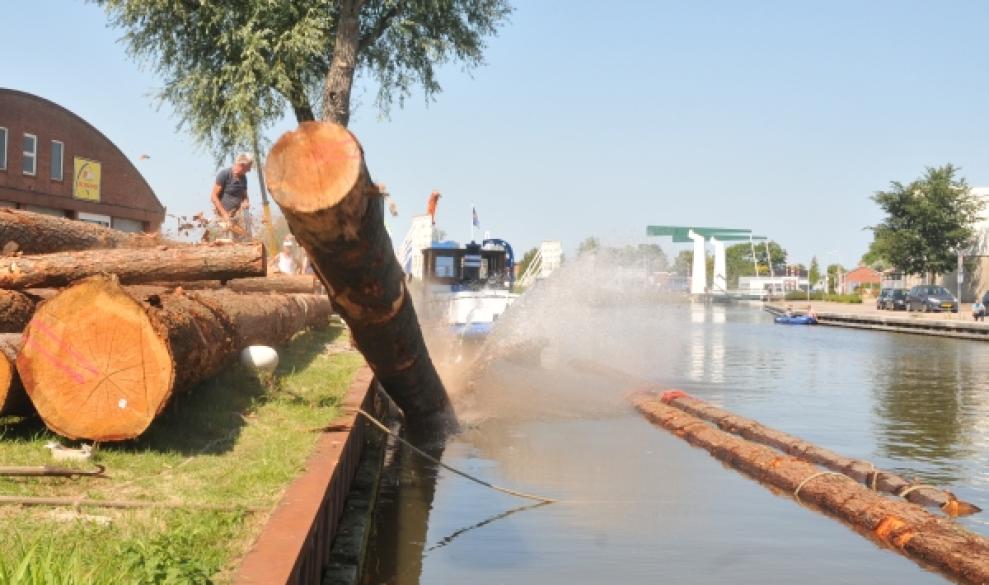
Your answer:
<point x="100" y="361"/>
<point x="340" y="77"/>
<point x="201" y="262"/>
<point x="35" y="233"/>
<point x="13" y="399"/>
<point x="273" y="283"/>
<point x="901" y="526"/>
<point x="318" y="177"/>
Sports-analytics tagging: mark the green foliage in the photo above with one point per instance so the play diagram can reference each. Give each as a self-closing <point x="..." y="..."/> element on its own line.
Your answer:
<point x="683" y="262"/>
<point x="739" y="260"/>
<point x="177" y="556"/>
<point x="231" y="68"/>
<point x="832" y="272"/>
<point x="814" y="274"/>
<point x="590" y="244"/>
<point x="798" y="295"/>
<point x="926" y="222"/>
<point x="527" y="259"/>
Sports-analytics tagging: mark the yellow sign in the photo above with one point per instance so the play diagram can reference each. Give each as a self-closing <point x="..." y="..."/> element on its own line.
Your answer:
<point x="86" y="182"/>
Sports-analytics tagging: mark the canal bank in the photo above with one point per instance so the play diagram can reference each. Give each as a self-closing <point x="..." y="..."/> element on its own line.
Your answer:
<point x="865" y="316"/>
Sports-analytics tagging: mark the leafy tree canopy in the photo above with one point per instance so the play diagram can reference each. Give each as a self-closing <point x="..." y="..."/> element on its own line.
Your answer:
<point x="927" y="222"/>
<point x="590" y="244"/>
<point x="230" y="67"/>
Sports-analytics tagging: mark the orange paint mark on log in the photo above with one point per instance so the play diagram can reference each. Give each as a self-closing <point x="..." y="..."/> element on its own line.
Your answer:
<point x="901" y="540"/>
<point x="83" y="362"/>
<point x="671" y="395"/>
<point x="887" y="527"/>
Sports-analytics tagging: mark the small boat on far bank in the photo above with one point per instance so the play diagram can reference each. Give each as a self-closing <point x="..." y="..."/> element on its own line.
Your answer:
<point x="795" y="320"/>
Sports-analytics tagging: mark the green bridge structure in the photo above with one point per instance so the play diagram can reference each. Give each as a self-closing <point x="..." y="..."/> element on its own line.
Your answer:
<point x="700" y="236"/>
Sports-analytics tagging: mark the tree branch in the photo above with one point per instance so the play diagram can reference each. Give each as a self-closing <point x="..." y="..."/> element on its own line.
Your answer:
<point x="379" y="28"/>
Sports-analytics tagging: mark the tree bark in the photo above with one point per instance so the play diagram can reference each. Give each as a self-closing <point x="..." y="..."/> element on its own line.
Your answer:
<point x="35" y="233"/>
<point x="16" y="309"/>
<point x="100" y="361"/>
<point x="929" y="540"/>
<point x="13" y="399"/>
<point x="273" y="283"/>
<point x="318" y="177"/>
<point x="340" y="77"/>
<point x="209" y="261"/>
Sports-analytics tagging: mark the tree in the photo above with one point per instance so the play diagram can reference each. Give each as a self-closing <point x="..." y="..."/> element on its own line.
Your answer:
<point x="814" y="274"/>
<point x="739" y="261"/>
<point x="683" y="263"/>
<point x="527" y="259"/>
<point x="231" y="68"/>
<point x="927" y="222"/>
<point x="590" y="244"/>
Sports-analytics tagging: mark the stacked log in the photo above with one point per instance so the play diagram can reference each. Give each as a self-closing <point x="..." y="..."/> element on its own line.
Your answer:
<point x="35" y="233"/>
<point x="16" y="309"/>
<point x="202" y="262"/>
<point x="318" y="177"/>
<point x="100" y="361"/>
<point x="13" y="399"/>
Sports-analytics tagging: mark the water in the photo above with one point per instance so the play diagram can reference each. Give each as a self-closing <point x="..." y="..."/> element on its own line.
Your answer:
<point x="639" y="505"/>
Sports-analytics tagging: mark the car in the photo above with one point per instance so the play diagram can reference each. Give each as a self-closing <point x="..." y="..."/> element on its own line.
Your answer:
<point x="881" y="299"/>
<point x="931" y="297"/>
<point x="895" y="299"/>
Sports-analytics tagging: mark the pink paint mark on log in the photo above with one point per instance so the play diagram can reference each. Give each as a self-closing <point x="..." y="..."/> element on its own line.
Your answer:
<point x="83" y="362"/>
<point x="76" y="376"/>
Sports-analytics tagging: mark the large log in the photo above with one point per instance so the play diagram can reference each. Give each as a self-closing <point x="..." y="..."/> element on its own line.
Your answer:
<point x="904" y="527"/>
<point x="318" y="177"/>
<point x="100" y="361"/>
<point x="273" y="283"/>
<point x="35" y="233"/>
<point x="13" y="399"/>
<point x="201" y="262"/>
<point x="16" y="309"/>
<point x="858" y="469"/>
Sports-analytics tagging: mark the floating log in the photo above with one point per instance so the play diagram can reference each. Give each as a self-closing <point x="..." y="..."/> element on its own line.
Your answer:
<point x="13" y="399"/>
<point x="929" y="540"/>
<point x="862" y="471"/>
<point x="201" y="262"/>
<point x="100" y="361"/>
<point x="318" y="177"/>
<point x="36" y="233"/>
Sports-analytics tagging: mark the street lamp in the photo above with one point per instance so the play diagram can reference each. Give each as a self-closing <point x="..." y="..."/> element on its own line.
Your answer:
<point x="837" y="268"/>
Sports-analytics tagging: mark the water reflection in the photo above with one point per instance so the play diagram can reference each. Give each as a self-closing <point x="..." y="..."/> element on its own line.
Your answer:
<point x="926" y="406"/>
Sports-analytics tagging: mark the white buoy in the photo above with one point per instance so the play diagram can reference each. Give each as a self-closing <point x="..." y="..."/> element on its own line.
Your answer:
<point x="260" y="358"/>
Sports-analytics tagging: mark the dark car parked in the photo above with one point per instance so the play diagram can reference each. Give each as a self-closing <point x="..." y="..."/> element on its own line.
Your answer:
<point x="893" y="299"/>
<point x="930" y="297"/>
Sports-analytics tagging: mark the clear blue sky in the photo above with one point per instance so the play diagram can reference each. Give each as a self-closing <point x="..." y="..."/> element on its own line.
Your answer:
<point x="592" y="119"/>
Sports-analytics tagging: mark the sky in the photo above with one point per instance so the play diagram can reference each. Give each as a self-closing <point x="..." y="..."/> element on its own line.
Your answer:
<point x="596" y="120"/>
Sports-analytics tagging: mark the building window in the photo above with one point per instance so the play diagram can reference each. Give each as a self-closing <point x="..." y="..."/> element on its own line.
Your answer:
<point x="29" y="160"/>
<point x="58" y="150"/>
<point x="3" y="149"/>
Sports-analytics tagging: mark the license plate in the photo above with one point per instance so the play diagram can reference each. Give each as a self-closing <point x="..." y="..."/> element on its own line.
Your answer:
<point x="945" y="305"/>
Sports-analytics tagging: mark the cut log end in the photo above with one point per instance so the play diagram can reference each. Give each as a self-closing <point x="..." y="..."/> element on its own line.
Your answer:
<point x="314" y="167"/>
<point x="6" y="379"/>
<point x="93" y="350"/>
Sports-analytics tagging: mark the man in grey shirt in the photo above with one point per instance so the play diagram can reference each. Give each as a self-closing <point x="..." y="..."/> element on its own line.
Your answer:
<point x="230" y="192"/>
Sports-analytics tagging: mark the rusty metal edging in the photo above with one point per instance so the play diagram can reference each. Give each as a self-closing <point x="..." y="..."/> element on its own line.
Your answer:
<point x="294" y="546"/>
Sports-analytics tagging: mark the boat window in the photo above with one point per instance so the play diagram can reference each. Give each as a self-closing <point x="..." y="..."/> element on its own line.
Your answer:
<point x="443" y="267"/>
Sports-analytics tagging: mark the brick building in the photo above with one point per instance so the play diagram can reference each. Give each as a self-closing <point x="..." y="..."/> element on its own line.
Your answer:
<point x="54" y="162"/>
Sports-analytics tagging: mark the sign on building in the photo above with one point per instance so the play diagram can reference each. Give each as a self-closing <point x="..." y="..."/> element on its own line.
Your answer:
<point x="86" y="179"/>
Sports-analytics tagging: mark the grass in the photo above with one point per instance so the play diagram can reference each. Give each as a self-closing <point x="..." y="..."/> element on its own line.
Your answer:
<point x="232" y="442"/>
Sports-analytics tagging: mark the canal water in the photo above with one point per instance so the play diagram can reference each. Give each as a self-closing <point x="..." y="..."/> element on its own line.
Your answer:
<point x="638" y="505"/>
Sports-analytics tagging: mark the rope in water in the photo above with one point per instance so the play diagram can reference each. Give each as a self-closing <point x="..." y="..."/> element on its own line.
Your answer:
<point x="517" y="494"/>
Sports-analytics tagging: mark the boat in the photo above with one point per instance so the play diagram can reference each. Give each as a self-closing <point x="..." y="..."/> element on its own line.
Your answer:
<point x="795" y="320"/>
<point x="469" y="286"/>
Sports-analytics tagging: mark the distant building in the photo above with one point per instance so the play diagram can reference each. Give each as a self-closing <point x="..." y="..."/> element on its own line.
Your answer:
<point x="858" y="278"/>
<point x="54" y="162"/>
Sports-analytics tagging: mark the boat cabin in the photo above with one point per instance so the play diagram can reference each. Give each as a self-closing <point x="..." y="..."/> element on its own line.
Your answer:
<point x="471" y="266"/>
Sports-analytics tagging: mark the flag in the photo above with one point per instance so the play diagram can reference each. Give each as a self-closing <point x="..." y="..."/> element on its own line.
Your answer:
<point x="474" y="220"/>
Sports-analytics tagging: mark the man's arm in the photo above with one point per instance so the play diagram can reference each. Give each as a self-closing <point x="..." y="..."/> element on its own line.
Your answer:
<point x="215" y="196"/>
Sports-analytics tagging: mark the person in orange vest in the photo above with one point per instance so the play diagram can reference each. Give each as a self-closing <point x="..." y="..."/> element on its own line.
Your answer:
<point x="434" y="198"/>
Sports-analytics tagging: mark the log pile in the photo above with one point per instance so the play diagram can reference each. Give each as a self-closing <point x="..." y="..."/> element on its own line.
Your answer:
<point x="98" y="360"/>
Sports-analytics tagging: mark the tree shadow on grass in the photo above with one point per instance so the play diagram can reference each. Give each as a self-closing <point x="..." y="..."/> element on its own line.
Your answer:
<point x="207" y="418"/>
